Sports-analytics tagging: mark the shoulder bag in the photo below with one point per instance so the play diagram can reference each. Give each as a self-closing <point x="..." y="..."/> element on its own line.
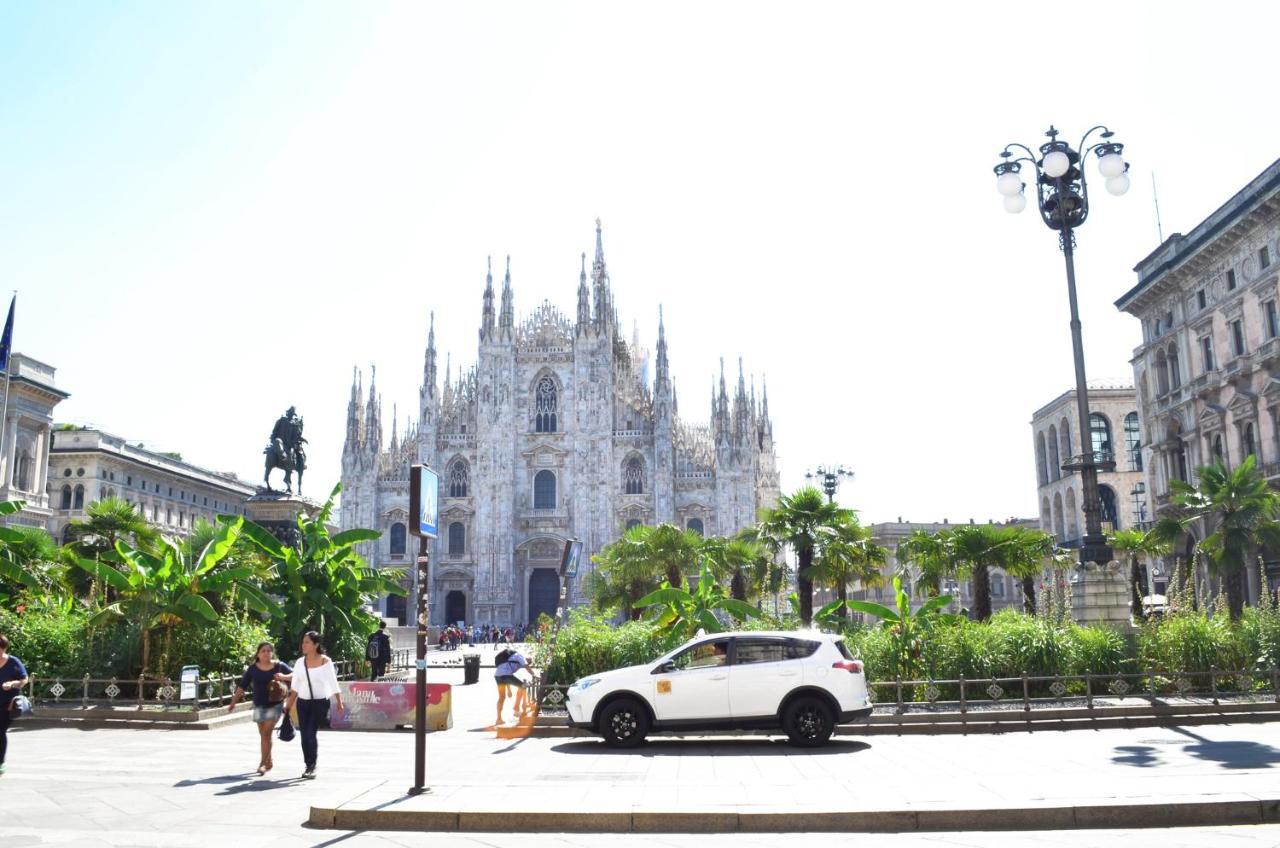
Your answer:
<point x="19" y="707"/>
<point x="277" y="690"/>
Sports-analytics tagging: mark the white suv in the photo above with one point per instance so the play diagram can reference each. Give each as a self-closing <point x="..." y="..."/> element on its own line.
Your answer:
<point x="801" y="682"/>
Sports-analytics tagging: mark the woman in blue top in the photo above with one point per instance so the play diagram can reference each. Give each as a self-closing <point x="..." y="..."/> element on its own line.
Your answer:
<point x="258" y="678"/>
<point x="13" y="676"/>
<point x="508" y="662"/>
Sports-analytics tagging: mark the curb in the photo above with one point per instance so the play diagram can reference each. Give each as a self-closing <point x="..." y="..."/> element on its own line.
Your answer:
<point x="1154" y="815"/>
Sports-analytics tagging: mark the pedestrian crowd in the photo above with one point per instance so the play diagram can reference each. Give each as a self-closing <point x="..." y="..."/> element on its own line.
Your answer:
<point x="454" y="636"/>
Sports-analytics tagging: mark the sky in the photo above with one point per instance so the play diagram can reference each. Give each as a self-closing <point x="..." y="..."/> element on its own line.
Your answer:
<point x="211" y="212"/>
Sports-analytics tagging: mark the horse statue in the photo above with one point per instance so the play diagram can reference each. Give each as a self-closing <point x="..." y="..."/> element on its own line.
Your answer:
<point x="285" y="451"/>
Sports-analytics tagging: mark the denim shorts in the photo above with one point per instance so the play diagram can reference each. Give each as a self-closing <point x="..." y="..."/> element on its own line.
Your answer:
<point x="269" y="713"/>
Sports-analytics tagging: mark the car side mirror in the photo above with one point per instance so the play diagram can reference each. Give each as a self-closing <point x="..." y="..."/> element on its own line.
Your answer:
<point x="666" y="668"/>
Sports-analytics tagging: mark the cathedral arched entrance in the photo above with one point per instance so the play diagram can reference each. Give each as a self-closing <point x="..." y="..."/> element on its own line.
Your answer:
<point x="455" y="606"/>
<point x="544" y="593"/>
<point x="397" y="609"/>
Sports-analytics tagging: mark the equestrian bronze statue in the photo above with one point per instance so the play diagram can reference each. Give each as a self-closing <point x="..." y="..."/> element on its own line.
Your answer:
<point x="285" y="451"/>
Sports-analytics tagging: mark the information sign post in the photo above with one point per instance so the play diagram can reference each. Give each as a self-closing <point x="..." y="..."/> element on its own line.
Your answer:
<point x="424" y="500"/>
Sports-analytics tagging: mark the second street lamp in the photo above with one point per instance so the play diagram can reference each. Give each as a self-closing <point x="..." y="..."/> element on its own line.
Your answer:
<point x="829" y="476"/>
<point x="1062" y="193"/>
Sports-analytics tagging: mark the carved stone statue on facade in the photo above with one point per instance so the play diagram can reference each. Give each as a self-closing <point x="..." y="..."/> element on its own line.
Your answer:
<point x="285" y="451"/>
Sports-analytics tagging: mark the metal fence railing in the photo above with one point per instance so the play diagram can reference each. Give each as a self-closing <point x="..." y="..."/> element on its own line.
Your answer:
<point x="1031" y="691"/>
<point x="160" y="694"/>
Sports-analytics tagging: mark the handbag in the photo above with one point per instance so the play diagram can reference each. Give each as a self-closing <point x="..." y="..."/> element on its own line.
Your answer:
<point x="277" y="691"/>
<point x="19" y="707"/>
<point x="286" y="729"/>
<point x="322" y="720"/>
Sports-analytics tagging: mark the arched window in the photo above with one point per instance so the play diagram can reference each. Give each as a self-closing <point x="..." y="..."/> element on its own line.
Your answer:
<point x="1064" y="433"/>
<point x="1250" y="445"/>
<point x="1133" y="441"/>
<point x="79" y="500"/>
<point x="1059" y="528"/>
<point x="695" y="524"/>
<point x="633" y="476"/>
<point x="66" y="497"/>
<point x="457" y="539"/>
<point x="1073" y="521"/>
<point x="397" y="539"/>
<point x="544" y="406"/>
<point x="1175" y="372"/>
<point x="1219" y="455"/>
<point x="544" y="490"/>
<point x="1042" y="461"/>
<point x="1055" y="464"/>
<point x="1162" y="373"/>
<point x="459" y="478"/>
<point x="1099" y="434"/>
<point x="635" y="522"/>
<point x="1110" y="510"/>
<point x="22" y="472"/>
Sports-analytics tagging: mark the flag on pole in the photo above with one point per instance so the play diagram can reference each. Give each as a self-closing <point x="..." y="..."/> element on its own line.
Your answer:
<point x="6" y="341"/>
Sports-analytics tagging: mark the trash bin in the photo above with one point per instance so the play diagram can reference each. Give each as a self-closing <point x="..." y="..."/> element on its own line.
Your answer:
<point x="470" y="669"/>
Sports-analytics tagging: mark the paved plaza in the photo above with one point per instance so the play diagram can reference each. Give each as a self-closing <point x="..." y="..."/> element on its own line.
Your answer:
<point x="180" y="787"/>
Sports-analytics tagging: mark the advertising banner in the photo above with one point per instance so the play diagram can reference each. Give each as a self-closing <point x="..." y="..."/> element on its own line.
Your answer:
<point x="388" y="704"/>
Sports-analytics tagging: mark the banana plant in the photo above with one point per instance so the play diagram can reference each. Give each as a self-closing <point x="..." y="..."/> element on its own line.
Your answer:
<point x="909" y="628"/>
<point x="686" y="612"/>
<point x="322" y="583"/>
<point x="161" y="588"/>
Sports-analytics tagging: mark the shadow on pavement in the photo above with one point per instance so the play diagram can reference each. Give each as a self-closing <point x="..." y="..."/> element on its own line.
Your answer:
<point x="1231" y="754"/>
<point x="1140" y="756"/>
<point x="222" y="778"/>
<point x="238" y="784"/>
<point x="720" y="747"/>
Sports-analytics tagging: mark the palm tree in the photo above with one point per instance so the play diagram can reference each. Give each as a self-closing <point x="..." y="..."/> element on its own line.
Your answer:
<point x="741" y="560"/>
<point x="928" y="554"/>
<point x="107" y="522"/>
<point x="674" y="551"/>
<point x="847" y="553"/>
<point x="1024" y="557"/>
<point x="624" y="573"/>
<point x="799" y="522"/>
<point x="1243" y="512"/>
<point x="1137" y="544"/>
<point x="29" y="558"/>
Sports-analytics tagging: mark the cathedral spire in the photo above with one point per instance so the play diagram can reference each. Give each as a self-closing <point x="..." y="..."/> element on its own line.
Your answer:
<point x="506" y="320"/>
<point x="373" y="414"/>
<point x="600" y="284"/>
<point x="395" y="433"/>
<point x="429" y="366"/>
<point x="353" y="412"/>
<point x="486" y="321"/>
<point x="662" y="375"/>
<point x="584" y="298"/>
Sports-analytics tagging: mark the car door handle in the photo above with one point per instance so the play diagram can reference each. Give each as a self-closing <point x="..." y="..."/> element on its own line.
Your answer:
<point x="717" y="677"/>
<point x="791" y="673"/>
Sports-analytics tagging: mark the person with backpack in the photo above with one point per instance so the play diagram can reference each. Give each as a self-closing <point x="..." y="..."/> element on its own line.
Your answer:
<point x="378" y="651"/>
<point x="13" y="676"/>
<point x="265" y="679"/>
<point x="506" y="663"/>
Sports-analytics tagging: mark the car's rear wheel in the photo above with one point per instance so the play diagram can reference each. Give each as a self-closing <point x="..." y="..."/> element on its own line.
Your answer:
<point x="624" y="723"/>
<point x="808" y="721"/>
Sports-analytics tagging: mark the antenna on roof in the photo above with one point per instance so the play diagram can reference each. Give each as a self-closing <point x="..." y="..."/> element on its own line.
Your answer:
<point x="1156" y="199"/>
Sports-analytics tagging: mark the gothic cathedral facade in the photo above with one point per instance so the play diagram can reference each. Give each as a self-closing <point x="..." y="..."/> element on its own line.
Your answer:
<point x="555" y="433"/>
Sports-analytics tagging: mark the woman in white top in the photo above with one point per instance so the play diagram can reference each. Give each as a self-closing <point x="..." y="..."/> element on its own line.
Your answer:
<point x="314" y="681"/>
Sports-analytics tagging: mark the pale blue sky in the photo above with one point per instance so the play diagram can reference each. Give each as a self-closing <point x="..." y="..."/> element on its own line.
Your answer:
<point x="212" y="211"/>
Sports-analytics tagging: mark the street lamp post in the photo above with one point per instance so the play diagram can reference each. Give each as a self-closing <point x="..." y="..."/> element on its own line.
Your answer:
<point x="829" y="477"/>
<point x="1062" y="193"/>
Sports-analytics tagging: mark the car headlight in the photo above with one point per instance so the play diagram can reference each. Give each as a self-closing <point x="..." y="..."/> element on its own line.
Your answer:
<point x="586" y="683"/>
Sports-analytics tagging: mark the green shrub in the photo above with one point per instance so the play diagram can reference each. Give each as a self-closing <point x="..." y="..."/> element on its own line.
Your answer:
<point x="50" y="644"/>
<point x="1260" y="629"/>
<point x="589" y="644"/>
<point x="1098" y="650"/>
<point x="219" y="650"/>
<point x="1192" y="641"/>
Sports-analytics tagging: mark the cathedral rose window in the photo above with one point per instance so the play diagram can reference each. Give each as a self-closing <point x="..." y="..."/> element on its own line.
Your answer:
<point x="545" y="406"/>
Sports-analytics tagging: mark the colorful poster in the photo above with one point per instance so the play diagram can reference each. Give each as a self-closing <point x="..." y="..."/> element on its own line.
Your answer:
<point x="389" y="704"/>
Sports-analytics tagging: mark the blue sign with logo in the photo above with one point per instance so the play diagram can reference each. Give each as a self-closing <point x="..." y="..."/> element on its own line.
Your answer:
<point x="424" y="501"/>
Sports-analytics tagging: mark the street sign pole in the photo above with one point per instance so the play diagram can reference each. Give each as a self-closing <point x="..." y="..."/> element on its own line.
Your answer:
<point x="420" y="709"/>
<point x="424" y="499"/>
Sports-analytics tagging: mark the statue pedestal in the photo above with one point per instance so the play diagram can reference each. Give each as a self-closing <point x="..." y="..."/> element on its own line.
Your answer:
<point x="1100" y="595"/>
<point x="278" y="513"/>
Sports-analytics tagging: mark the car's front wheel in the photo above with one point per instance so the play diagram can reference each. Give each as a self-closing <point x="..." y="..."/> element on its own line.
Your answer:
<point x="624" y="723"/>
<point x="808" y="722"/>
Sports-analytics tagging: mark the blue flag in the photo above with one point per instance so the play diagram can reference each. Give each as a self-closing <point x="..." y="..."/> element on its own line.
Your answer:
<point x="6" y="341"/>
